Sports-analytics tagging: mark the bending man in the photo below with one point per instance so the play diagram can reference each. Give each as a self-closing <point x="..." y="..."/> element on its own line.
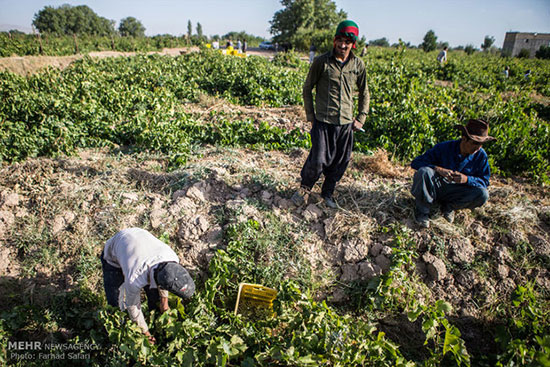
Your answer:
<point x="134" y="259"/>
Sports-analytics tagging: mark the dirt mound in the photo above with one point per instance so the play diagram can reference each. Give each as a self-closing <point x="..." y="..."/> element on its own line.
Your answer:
<point x="57" y="214"/>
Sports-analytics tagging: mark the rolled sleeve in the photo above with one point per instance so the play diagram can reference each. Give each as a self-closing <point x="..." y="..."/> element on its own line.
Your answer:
<point x="130" y="299"/>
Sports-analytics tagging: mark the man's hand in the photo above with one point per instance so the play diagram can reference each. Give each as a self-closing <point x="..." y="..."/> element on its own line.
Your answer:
<point x="443" y="172"/>
<point x="164" y="304"/>
<point x="357" y="125"/>
<point x="458" y="177"/>
<point x="150" y="337"/>
<point x="453" y="176"/>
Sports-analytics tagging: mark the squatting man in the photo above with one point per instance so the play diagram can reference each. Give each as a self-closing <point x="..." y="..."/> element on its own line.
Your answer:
<point x="454" y="174"/>
<point x="134" y="259"/>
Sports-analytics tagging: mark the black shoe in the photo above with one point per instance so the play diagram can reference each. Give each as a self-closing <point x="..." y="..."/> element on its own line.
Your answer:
<point x="423" y="220"/>
<point x="449" y="216"/>
<point x="330" y="203"/>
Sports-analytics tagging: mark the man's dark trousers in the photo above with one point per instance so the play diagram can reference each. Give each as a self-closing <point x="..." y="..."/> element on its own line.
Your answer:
<point x="330" y="153"/>
<point x="429" y="187"/>
<point x="113" y="279"/>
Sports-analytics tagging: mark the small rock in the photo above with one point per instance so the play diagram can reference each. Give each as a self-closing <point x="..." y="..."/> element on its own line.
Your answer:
<point x="215" y="236"/>
<point x="284" y="204"/>
<point x="461" y="250"/>
<point x="245" y="192"/>
<point x="198" y="192"/>
<point x="157" y="217"/>
<point x="349" y="273"/>
<point x="383" y="262"/>
<point x="386" y="251"/>
<point x="513" y="238"/>
<point x="503" y="271"/>
<point x="376" y="249"/>
<point x="8" y="199"/>
<point x="312" y="213"/>
<point x="178" y="194"/>
<point x="354" y="251"/>
<point x="202" y="223"/>
<point x="502" y="254"/>
<point x="368" y="270"/>
<point x="479" y="231"/>
<point x="506" y="287"/>
<point x="182" y="204"/>
<point x="435" y="267"/>
<point x="540" y="245"/>
<point x="266" y="197"/>
<point x="339" y="295"/>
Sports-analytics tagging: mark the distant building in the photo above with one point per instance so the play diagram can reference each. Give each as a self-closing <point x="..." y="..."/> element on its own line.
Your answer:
<point x="514" y="42"/>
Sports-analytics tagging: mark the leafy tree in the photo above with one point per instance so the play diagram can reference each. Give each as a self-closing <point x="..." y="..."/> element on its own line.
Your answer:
<point x="543" y="52"/>
<point x="487" y="43"/>
<point x="69" y="20"/>
<point x="303" y="22"/>
<point x="189" y="29"/>
<point x="430" y="41"/>
<point x="442" y="45"/>
<point x="199" y="30"/>
<point x="382" y="42"/>
<point x="132" y="27"/>
<point x="469" y="49"/>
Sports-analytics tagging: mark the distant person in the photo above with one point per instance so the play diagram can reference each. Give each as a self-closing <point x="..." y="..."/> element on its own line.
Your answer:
<point x="442" y="57"/>
<point x="134" y="259"/>
<point x="215" y="45"/>
<point x="454" y="174"/>
<point x="335" y="76"/>
<point x="506" y="71"/>
<point x="364" y="50"/>
<point x="527" y="74"/>
<point x="229" y="43"/>
<point x="312" y="50"/>
<point x="245" y="46"/>
<point x="239" y="45"/>
<point x="276" y="46"/>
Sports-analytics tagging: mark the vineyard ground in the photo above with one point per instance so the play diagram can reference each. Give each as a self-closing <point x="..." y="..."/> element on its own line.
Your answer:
<point x="56" y="215"/>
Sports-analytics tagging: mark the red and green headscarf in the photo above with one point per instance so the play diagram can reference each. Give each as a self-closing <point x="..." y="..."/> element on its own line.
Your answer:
<point x="348" y="28"/>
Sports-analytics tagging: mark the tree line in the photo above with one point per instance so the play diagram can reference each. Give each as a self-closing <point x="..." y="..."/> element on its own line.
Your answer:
<point x="298" y="24"/>
<point x="82" y="20"/>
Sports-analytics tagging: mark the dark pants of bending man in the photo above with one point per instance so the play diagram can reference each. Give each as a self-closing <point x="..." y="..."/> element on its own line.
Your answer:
<point x="113" y="279"/>
<point x="429" y="187"/>
<point x="330" y="153"/>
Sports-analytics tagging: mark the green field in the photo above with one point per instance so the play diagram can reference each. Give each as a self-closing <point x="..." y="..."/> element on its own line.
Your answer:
<point x="136" y="112"/>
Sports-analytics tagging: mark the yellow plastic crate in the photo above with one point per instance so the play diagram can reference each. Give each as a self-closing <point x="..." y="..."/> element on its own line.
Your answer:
<point x="255" y="300"/>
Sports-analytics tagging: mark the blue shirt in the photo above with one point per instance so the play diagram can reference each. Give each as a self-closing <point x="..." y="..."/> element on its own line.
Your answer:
<point x="447" y="155"/>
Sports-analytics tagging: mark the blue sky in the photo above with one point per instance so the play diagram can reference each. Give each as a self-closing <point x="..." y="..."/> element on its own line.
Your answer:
<point x="458" y="22"/>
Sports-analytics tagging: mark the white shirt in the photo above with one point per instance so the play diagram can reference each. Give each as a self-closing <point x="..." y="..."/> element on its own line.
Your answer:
<point x="137" y="252"/>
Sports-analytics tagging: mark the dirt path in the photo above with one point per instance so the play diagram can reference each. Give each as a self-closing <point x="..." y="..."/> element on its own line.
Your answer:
<point x="25" y="65"/>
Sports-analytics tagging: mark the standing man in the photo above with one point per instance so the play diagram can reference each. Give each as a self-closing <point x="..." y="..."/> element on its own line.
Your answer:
<point x="442" y="57"/>
<point x="134" y="259"/>
<point x="312" y="50"/>
<point x="335" y="76"/>
<point x="454" y="174"/>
